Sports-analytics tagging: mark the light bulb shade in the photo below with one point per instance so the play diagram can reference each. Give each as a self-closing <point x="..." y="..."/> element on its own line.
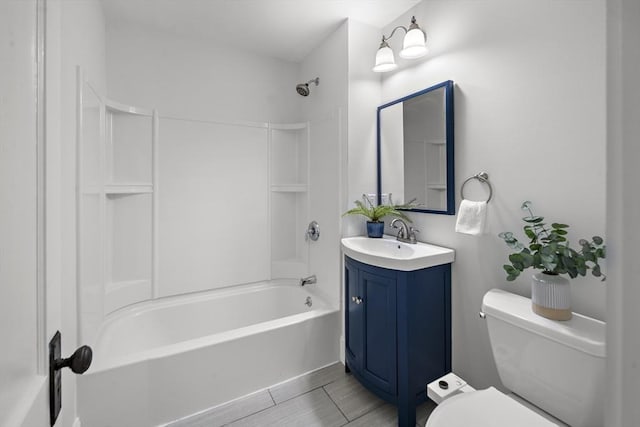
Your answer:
<point x="414" y="44"/>
<point x="384" y="60"/>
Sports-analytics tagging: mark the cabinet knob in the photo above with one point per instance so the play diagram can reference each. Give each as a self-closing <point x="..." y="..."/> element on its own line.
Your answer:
<point x="357" y="300"/>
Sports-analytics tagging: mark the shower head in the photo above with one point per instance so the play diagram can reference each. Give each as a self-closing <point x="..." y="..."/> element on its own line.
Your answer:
<point x="303" y="88"/>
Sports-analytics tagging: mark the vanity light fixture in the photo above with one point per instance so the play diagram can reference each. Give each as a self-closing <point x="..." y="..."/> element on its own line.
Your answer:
<point x="413" y="46"/>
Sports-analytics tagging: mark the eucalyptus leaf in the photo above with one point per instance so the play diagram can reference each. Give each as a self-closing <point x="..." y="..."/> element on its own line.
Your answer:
<point x="549" y="249"/>
<point x="530" y="233"/>
<point x="596" y="271"/>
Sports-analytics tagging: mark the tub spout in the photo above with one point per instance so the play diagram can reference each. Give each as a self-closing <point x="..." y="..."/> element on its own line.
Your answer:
<point x="308" y="280"/>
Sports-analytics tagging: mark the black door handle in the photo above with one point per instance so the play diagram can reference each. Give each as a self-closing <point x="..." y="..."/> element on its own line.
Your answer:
<point x="79" y="361"/>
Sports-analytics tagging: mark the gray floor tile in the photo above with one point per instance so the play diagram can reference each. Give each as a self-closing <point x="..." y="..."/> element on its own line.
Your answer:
<point x="226" y="413"/>
<point x="387" y="416"/>
<point x="351" y="397"/>
<point x="383" y="416"/>
<point x="423" y="411"/>
<point x="313" y="409"/>
<point x="307" y="383"/>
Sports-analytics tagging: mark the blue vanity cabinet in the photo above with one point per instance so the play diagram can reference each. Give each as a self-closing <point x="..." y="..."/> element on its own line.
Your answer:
<point x="397" y="331"/>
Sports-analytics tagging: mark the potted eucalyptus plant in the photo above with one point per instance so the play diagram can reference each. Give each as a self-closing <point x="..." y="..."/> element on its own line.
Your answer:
<point x="375" y="225"/>
<point x="549" y="250"/>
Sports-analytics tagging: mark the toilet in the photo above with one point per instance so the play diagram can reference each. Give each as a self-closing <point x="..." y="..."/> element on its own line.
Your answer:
<point x="554" y="370"/>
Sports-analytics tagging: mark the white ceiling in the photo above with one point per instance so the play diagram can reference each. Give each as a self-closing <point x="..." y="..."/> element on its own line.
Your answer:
<point x="285" y="29"/>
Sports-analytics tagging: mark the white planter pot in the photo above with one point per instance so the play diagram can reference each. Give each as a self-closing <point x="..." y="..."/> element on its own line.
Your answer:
<point x="551" y="296"/>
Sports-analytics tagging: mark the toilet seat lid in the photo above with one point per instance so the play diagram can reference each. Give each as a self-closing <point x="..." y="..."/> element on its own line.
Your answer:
<point x="485" y="408"/>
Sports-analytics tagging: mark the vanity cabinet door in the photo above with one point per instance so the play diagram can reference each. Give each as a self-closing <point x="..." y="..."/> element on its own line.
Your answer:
<point x="379" y="365"/>
<point x="370" y="325"/>
<point x="353" y="318"/>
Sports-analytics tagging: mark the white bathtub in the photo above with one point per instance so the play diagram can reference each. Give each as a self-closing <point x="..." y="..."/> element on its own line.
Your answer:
<point x="162" y="360"/>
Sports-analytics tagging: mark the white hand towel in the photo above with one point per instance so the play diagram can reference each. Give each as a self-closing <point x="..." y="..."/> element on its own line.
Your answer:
<point x="471" y="217"/>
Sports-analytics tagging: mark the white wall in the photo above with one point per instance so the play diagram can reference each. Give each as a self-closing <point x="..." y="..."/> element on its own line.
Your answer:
<point x="364" y="98"/>
<point x="212" y="176"/>
<point x="198" y="78"/>
<point x="213" y="211"/>
<point x="530" y="111"/>
<point x="623" y="209"/>
<point x="326" y="110"/>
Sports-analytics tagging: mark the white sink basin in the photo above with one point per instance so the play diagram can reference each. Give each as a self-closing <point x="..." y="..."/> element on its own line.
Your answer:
<point x="387" y="252"/>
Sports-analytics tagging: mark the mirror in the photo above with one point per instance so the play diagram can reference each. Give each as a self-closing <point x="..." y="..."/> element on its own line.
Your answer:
<point x="415" y="151"/>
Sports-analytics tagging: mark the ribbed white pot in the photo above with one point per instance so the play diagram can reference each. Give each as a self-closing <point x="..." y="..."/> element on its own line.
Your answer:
<point x="551" y="296"/>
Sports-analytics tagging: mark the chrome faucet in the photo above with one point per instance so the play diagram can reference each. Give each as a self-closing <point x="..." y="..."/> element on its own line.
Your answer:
<point x="406" y="234"/>
<point x="308" y="280"/>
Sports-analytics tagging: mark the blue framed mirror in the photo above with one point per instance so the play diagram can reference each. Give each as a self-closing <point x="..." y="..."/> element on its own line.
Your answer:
<point x="415" y="151"/>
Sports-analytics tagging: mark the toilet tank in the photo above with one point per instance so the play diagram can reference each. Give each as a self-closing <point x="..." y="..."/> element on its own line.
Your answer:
<point x="559" y="366"/>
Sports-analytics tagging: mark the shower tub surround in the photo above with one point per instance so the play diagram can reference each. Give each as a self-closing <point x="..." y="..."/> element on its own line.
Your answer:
<point x="162" y="360"/>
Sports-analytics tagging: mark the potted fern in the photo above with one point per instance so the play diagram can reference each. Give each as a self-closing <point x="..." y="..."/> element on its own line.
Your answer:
<point x="550" y="251"/>
<point x="375" y="225"/>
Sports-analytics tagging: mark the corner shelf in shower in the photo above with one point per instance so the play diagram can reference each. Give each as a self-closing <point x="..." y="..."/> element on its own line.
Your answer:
<point x="117" y="204"/>
<point x="437" y="141"/>
<point x="439" y="187"/>
<point x="289" y="126"/>
<point x="128" y="189"/>
<point x="130" y="178"/>
<point x="289" y="199"/>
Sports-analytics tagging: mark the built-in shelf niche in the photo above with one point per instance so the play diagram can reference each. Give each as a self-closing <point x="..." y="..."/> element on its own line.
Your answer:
<point x="436" y="174"/>
<point x="129" y="189"/>
<point x="428" y="157"/>
<point x="129" y="251"/>
<point x="129" y="145"/>
<point x="117" y="205"/>
<point x="289" y="181"/>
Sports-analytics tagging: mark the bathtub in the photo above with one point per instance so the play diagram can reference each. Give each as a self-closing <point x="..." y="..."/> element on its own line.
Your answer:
<point x="162" y="360"/>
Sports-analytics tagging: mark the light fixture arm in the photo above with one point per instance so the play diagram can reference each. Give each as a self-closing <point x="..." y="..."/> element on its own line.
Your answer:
<point x="413" y="26"/>
<point x="384" y="38"/>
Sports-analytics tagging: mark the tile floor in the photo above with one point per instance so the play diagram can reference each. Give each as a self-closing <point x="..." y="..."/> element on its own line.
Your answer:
<point x="324" y="398"/>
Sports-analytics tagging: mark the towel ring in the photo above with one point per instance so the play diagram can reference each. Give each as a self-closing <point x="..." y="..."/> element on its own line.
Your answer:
<point x="482" y="177"/>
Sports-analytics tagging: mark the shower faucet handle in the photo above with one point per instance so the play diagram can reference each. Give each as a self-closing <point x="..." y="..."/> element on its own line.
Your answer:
<point x="313" y="231"/>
